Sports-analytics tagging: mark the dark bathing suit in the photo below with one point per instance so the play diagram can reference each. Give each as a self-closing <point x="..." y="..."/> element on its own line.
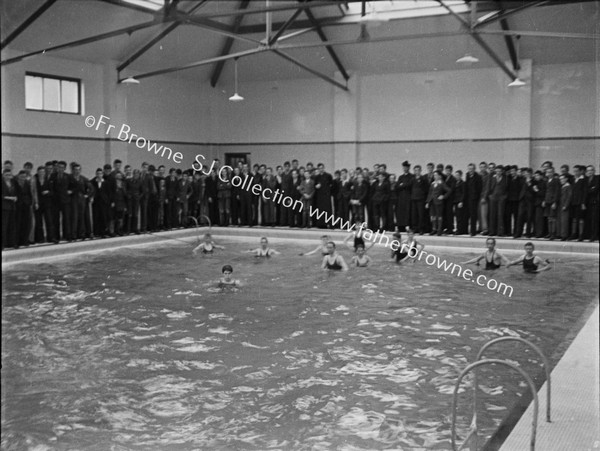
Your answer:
<point x="334" y="266"/>
<point x="358" y="241"/>
<point x="491" y="264"/>
<point x="528" y="265"/>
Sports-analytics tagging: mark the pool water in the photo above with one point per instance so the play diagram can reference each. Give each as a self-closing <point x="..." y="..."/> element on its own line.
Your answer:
<point x="134" y="349"/>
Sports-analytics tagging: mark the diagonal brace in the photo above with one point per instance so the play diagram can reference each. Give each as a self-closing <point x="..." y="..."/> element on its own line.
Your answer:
<point x="481" y="42"/>
<point x="155" y="39"/>
<point x="284" y="27"/>
<point x="327" y="78"/>
<point x="21" y="28"/>
<point x="228" y="44"/>
<point x="329" y="48"/>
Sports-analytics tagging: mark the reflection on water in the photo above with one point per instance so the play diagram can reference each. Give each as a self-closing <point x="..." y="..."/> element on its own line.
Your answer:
<point x="133" y="351"/>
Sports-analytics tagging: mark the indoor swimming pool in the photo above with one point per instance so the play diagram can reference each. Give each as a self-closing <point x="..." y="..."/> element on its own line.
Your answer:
<point x="136" y="349"/>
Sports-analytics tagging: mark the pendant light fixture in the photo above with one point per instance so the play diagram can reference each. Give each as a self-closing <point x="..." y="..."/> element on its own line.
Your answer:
<point x="236" y="97"/>
<point x="130" y="81"/>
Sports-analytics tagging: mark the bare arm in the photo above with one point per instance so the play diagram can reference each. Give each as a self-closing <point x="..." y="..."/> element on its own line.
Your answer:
<point x="342" y="263"/>
<point x="543" y="265"/>
<point x="314" y="251"/>
<point x="474" y="260"/>
<point x="516" y="262"/>
<point x="198" y="248"/>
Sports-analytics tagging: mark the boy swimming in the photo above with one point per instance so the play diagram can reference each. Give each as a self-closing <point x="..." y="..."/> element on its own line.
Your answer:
<point x="333" y="260"/>
<point x="227" y="281"/>
<point x="361" y="259"/>
<point x="493" y="258"/>
<point x="208" y="246"/>
<point x="357" y="235"/>
<point x="531" y="263"/>
<point x="264" y="251"/>
<point x="409" y="249"/>
<point x="322" y="248"/>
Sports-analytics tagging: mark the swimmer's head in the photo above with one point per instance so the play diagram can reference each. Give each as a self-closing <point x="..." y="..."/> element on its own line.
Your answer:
<point x="331" y="247"/>
<point x="490" y="243"/>
<point x="227" y="269"/>
<point x="529" y="247"/>
<point x="360" y="250"/>
<point x="325" y="239"/>
<point x="411" y="232"/>
<point x="207" y="237"/>
<point x="264" y="242"/>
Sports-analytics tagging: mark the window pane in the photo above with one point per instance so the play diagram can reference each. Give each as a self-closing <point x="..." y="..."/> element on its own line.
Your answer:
<point x="33" y="92"/>
<point x="51" y="94"/>
<point x="69" y="96"/>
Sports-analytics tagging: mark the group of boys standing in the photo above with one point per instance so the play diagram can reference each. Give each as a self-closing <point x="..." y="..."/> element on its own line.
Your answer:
<point x="495" y="200"/>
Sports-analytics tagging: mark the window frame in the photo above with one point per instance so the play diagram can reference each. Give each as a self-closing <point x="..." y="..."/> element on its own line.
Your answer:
<point x="60" y="78"/>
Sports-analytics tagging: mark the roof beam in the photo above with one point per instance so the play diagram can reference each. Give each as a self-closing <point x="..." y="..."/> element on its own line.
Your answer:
<point x="198" y="63"/>
<point x="21" y="28"/>
<point x="285" y="26"/>
<point x="504" y="14"/>
<point x="323" y="38"/>
<point x="155" y="39"/>
<point x="309" y="69"/>
<point x="273" y="9"/>
<point x="215" y="27"/>
<point x="227" y="45"/>
<point x="481" y="42"/>
<point x="510" y="45"/>
<point x="99" y="37"/>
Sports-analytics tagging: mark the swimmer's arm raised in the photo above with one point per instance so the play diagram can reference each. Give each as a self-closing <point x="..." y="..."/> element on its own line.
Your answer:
<point x="314" y="251"/>
<point x="198" y="248"/>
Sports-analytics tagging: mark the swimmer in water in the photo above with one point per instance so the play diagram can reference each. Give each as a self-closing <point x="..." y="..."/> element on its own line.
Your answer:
<point x="531" y="263"/>
<point x="360" y="259"/>
<point x="357" y="235"/>
<point x="333" y="260"/>
<point x="409" y="248"/>
<point x="322" y="248"/>
<point x="227" y="281"/>
<point x="264" y="251"/>
<point x="493" y="258"/>
<point x="208" y="246"/>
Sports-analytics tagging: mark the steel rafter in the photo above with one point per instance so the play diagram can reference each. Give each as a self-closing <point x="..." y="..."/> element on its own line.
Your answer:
<point x="228" y="44"/>
<point x="156" y="38"/>
<point x="481" y="42"/>
<point x="329" y="48"/>
<point x="199" y="63"/>
<point x="21" y="28"/>
<point x="510" y="45"/>
<point x="99" y="37"/>
<point x="214" y="27"/>
<point x="504" y="14"/>
<point x="331" y="80"/>
<point x="285" y="26"/>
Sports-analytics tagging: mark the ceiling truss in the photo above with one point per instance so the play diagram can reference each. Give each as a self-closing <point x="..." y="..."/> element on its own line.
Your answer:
<point x="273" y="42"/>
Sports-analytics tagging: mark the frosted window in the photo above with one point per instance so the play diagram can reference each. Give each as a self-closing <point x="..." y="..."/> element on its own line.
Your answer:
<point x="34" y="99"/>
<point x="69" y="96"/>
<point x="51" y="94"/>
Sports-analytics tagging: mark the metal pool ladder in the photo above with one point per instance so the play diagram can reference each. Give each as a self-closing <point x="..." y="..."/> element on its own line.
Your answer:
<point x="481" y="362"/>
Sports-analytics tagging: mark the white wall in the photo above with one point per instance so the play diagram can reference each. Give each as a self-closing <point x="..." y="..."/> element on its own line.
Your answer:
<point x="447" y="116"/>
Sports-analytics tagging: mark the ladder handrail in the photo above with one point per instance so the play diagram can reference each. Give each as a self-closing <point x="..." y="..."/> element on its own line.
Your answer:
<point x="490" y="362"/>
<point x="540" y="353"/>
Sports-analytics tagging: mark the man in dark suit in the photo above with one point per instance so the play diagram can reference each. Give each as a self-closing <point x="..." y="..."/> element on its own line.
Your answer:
<point x="418" y="195"/>
<point x="101" y="199"/>
<point x="514" y="186"/>
<point x="578" y="206"/>
<point x="323" y="181"/>
<point x="450" y="181"/>
<point x="171" y="199"/>
<point x="498" y="188"/>
<point x="473" y="186"/>
<point x="43" y="207"/>
<point x="23" y="208"/>
<point x="9" y="209"/>
<point x="82" y="190"/>
<point x="62" y="189"/>
<point x="592" y="202"/>
<point x="403" y="188"/>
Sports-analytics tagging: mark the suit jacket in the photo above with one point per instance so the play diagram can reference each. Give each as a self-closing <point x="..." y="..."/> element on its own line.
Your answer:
<point x="473" y="187"/>
<point x="593" y="189"/>
<point x="458" y="193"/>
<point x="41" y="187"/>
<point x="498" y="188"/>
<point x="514" y="185"/>
<point x="436" y="191"/>
<point x="60" y="187"/>
<point x="552" y="191"/>
<point x="24" y="196"/>
<point x="580" y="191"/>
<point x="566" y="195"/>
<point x="101" y="192"/>
<point x="8" y="190"/>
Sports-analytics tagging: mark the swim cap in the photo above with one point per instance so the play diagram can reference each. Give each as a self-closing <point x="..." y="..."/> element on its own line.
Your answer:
<point x="227" y="268"/>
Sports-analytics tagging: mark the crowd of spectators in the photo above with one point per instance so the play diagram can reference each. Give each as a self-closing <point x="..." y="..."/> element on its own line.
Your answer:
<point x="52" y="204"/>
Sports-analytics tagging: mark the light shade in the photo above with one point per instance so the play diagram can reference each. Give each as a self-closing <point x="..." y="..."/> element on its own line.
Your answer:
<point x="517" y="82"/>
<point x="467" y="59"/>
<point x="130" y="81"/>
<point x="236" y="98"/>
